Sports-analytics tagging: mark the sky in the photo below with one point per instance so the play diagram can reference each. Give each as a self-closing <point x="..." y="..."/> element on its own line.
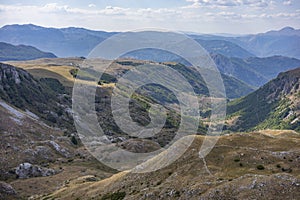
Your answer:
<point x="198" y="16"/>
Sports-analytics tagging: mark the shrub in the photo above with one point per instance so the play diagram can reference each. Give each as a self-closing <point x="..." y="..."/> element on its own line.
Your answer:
<point x="260" y="167"/>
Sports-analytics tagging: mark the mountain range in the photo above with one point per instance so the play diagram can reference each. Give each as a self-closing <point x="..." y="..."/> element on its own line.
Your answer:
<point x="68" y="42"/>
<point x="42" y="156"/>
<point x="283" y="42"/>
<point x="234" y="56"/>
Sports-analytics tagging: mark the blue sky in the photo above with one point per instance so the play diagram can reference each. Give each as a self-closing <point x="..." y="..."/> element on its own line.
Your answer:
<point x="203" y="16"/>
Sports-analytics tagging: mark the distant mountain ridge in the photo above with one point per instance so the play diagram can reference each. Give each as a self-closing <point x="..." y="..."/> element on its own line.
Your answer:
<point x="253" y="71"/>
<point x="21" y="52"/>
<point x="284" y="42"/>
<point x="65" y="42"/>
<point x="72" y="41"/>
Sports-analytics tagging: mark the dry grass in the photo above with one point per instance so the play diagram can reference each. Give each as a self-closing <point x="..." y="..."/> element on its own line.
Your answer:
<point x="232" y="159"/>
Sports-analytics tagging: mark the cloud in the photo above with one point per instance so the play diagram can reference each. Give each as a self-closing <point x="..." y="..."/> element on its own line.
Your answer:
<point x="91" y="5"/>
<point x="287" y="3"/>
<point x="228" y="3"/>
<point x="222" y="15"/>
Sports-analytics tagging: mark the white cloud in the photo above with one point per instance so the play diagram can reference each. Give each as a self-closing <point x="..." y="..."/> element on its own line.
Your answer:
<point x="234" y="18"/>
<point x="287" y="3"/>
<point x="228" y="3"/>
<point x="91" y="5"/>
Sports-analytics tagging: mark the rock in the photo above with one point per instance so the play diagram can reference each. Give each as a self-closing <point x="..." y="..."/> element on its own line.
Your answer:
<point x="27" y="170"/>
<point x="6" y="190"/>
<point x="59" y="149"/>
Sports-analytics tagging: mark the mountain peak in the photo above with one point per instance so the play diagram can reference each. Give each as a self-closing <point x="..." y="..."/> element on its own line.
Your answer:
<point x="287" y="28"/>
<point x="22" y="27"/>
<point x="286" y="31"/>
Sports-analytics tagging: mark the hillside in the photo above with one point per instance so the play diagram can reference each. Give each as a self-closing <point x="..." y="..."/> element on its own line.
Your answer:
<point x="42" y="97"/>
<point x="21" y="52"/>
<point x="36" y="158"/>
<point x="255" y="71"/>
<point x="274" y="106"/>
<point x="239" y="167"/>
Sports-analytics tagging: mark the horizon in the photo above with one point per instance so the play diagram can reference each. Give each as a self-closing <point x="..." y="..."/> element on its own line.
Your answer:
<point x="196" y="16"/>
<point x="182" y="31"/>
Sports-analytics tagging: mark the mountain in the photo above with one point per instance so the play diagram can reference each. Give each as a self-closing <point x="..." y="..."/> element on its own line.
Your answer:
<point x="254" y="71"/>
<point x="284" y="42"/>
<point x="21" y="52"/>
<point x="225" y="48"/>
<point x="68" y="42"/>
<point x="65" y="42"/>
<point x="276" y="105"/>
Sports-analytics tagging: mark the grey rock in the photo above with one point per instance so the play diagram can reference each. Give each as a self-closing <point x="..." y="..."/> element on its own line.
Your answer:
<point x="27" y="170"/>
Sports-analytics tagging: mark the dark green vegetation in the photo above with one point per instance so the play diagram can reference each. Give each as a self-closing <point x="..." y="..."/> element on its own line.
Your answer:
<point x="273" y="106"/>
<point x="21" y="52"/>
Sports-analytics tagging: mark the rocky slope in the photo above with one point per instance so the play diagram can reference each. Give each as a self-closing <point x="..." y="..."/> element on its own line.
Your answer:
<point x="275" y="105"/>
<point x="45" y="97"/>
<point x="35" y="158"/>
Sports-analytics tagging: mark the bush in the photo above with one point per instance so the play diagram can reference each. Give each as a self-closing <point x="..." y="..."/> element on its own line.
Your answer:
<point x="260" y="167"/>
<point x="74" y="140"/>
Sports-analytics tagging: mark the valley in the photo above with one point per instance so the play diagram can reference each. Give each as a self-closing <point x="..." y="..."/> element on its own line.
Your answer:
<point x="51" y="149"/>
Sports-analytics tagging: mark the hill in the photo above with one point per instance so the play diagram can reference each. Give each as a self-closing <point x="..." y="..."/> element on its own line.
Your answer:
<point x="241" y="166"/>
<point x="274" y="106"/>
<point x="21" y="52"/>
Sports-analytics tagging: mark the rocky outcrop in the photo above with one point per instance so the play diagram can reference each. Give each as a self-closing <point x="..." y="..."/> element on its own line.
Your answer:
<point x="27" y="170"/>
